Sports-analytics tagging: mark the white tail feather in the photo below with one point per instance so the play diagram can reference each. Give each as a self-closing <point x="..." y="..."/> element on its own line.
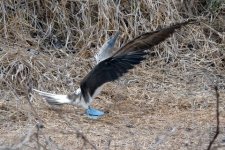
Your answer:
<point x="54" y="99"/>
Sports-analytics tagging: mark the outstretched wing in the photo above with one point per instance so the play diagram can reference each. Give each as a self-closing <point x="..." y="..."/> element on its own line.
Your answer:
<point x="107" y="49"/>
<point x="150" y="39"/>
<point x="109" y="70"/>
<point x="123" y="60"/>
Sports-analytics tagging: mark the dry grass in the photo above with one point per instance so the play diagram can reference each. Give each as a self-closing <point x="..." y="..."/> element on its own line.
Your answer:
<point x="165" y="103"/>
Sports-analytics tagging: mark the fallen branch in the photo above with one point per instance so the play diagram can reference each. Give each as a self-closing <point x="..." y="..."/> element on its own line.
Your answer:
<point x="39" y="124"/>
<point x="217" y="119"/>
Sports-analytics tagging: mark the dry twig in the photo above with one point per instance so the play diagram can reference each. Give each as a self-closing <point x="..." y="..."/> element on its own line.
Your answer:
<point x="217" y="119"/>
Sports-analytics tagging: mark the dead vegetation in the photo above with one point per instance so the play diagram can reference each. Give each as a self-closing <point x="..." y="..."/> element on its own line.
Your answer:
<point x="167" y="102"/>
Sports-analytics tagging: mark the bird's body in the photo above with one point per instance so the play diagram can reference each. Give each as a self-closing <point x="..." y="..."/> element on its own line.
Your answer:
<point x="110" y="67"/>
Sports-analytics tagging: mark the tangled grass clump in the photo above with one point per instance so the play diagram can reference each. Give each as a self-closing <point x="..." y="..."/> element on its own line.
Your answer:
<point x="18" y="68"/>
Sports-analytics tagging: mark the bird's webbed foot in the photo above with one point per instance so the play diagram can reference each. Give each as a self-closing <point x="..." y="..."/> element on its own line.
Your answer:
<point x="94" y="113"/>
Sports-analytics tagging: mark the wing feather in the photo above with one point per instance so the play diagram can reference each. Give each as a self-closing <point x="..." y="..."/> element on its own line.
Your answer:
<point x="150" y="39"/>
<point x="124" y="59"/>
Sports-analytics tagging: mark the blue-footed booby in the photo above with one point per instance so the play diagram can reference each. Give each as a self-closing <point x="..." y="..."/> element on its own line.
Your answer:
<point x="110" y="66"/>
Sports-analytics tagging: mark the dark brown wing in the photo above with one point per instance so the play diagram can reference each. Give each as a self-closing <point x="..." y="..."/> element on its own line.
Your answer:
<point x="109" y="70"/>
<point x="150" y="39"/>
<point x="124" y="59"/>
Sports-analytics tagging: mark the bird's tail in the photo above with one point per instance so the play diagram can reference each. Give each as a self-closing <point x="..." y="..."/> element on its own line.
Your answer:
<point x="54" y="99"/>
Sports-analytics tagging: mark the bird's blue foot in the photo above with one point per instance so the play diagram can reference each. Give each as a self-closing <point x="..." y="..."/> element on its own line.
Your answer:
<point x="94" y="113"/>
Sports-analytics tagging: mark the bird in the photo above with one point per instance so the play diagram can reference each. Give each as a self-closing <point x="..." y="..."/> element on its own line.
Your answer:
<point x="110" y="67"/>
<point x="105" y="52"/>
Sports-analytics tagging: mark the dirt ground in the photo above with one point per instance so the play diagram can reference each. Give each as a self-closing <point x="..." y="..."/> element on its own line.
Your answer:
<point x="142" y="113"/>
